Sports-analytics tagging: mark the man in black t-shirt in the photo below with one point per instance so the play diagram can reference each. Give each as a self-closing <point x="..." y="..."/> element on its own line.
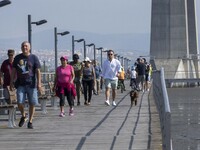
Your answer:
<point x="140" y="68"/>
<point x="27" y="67"/>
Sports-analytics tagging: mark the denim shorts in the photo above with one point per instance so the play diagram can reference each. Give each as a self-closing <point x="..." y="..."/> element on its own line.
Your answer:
<point x="25" y="92"/>
<point x="111" y="83"/>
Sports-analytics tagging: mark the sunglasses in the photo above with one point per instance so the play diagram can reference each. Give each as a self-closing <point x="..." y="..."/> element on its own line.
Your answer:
<point x="10" y="55"/>
<point x="110" y="54"/>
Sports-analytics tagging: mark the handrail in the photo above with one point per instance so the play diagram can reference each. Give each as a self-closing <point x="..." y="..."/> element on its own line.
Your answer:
<point x="47" y="77"/>
<point x="162" y="103"/>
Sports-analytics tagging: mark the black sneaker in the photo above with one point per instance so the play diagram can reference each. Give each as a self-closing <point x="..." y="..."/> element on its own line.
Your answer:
<point x="22" y="121"/>
<point x="30" y="125"/>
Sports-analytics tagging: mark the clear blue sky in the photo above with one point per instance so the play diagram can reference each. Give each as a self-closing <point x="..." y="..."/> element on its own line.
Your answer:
<point x="97" y="16"/>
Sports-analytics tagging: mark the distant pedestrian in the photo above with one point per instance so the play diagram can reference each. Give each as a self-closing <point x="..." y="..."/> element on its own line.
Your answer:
<point x="141" y="68"/>
<point x="5" y="73"/>
<point x="148" y="73"/>
<point x="64" y="85"/>
<point x="110" y="73"/>
<point x="88" y="80"/>
<point x="133" y="75"/>
<point x="97" y="83"/>
<point x="78" y="69"/>
<point x="121" y="78"/>
<point x="27" y="67"/>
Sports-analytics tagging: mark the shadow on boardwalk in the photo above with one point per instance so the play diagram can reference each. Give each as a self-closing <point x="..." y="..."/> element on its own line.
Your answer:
<point x="92" y="127"/>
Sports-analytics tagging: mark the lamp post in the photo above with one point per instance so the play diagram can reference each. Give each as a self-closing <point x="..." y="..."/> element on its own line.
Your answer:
<point x="92" y="44"/>
<point x="4" y="3"/>
<point x="29" y="27"/>
<point x="117" y="56"/>
<point x="84" y="47"/>
<point x="73" y="43"/>
<point x="101" y="48"/>
<point x="122" y="60"/>
<point x="56" y="43"/>
<point x="125" y="64"/>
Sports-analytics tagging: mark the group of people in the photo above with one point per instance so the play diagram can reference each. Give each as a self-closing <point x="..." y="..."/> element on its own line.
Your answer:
<point x="140" y="75"/>
<point x="22" y="73"/>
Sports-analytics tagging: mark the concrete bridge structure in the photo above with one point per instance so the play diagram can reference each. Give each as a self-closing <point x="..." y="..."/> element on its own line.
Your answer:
<point x="174" y="40"/>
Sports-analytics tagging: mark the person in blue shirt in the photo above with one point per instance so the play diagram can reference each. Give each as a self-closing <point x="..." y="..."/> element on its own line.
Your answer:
<point x="98" y="71"/>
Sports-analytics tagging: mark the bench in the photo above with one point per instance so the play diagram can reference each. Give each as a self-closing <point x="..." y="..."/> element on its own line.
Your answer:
<point x="44" y="96"/>
<point x="11" y="107"/>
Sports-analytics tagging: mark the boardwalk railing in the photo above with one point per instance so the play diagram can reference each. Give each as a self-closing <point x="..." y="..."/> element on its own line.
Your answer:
<point x="47" y="77"/>
<point x="182" y="82"/>
<point x="162" y="102"/>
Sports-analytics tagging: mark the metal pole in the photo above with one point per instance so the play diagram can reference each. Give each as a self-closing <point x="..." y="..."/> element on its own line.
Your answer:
<point x="122" y="61"/>
<point x="44" y="66"/>
<point x="84" y="46"/>
<point x="94" y="53"/>
<point x="29" y="31"/>
<point x="55" y="35"/>
<point x="101" y="58"/>
<point x="72" y="45"/>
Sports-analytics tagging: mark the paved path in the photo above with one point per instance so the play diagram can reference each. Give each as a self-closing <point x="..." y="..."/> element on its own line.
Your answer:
<point x="94" y="127"/>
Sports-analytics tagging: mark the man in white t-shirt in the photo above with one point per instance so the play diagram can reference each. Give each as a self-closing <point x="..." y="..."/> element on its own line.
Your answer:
<point x="110" y="73"/>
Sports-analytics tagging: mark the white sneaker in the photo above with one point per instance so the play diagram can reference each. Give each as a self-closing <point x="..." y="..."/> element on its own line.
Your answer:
<point x="107" y="103"/>
<point x="113" y="103"/>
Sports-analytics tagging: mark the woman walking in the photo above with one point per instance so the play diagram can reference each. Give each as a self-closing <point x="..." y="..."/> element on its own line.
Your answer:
<point x="88" y="80"/>
<point x="63" y="85"/>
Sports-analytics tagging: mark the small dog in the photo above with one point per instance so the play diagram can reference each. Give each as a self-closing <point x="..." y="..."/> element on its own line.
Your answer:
<point x="134" y="94"/>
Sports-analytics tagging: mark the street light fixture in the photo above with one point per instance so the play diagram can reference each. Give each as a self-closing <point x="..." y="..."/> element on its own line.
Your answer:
<point x="73" y="45"/>
<point x="117" y="56"/>
<point x="122" y="60"/>
<point x="4" y="3"/>
<point x="101" y="49"/>
<point x="56" y="43"/>
<point x="84" y="46"/>
<point x="92" y="44"/>
<point x="30" y="29"/>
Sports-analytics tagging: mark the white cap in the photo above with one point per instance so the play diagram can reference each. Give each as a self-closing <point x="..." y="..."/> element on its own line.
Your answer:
<point x="87" y="59"/>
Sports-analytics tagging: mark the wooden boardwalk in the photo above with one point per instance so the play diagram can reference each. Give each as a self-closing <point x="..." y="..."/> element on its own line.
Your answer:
<point x="94" y="127"/>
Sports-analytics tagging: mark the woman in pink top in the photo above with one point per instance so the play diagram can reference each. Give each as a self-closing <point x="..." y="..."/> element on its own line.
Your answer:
<point x="63" y="84"/>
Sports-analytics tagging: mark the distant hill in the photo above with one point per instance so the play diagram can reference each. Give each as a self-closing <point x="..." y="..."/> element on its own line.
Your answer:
<point x="127" y="45"/>
<point x="45" y="40"/>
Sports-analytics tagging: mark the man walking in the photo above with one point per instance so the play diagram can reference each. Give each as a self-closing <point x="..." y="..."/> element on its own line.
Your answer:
<point x="110" y="73"/>
<point x="5" y="74"/>
<point x="27" y="67"/>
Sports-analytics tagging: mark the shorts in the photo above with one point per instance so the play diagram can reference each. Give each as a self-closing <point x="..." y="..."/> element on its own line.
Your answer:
<point x="140" y="79"/>
<point x="24" y="92"/>
<point x="111" y="83"/>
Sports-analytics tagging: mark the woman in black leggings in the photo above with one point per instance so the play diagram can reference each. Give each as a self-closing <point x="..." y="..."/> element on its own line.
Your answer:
<point x="88" y="80"/>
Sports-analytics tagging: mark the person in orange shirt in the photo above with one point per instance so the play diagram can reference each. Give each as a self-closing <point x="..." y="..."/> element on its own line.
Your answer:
<point x="121" y="78"/>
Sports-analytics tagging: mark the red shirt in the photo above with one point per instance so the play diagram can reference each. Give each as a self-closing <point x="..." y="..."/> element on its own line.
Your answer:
<point x="6" y="69"/>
